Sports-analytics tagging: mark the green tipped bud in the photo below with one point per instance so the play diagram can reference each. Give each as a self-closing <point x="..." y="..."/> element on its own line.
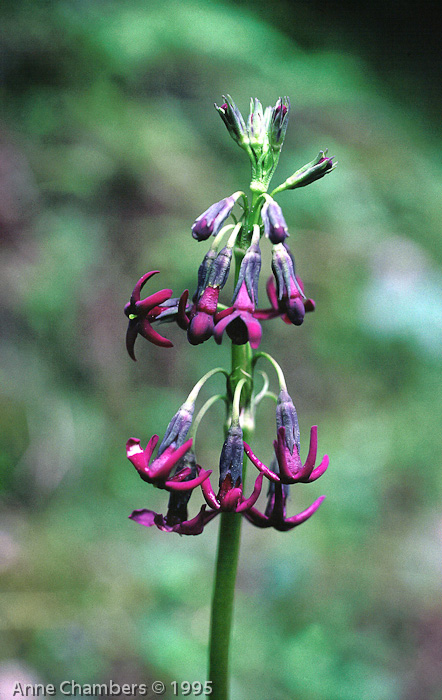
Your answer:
<point x="317" y="168"/>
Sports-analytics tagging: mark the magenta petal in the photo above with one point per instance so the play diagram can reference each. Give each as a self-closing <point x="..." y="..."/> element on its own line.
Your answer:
<point x="271" y="293"/>
<point x="197" y="524"/>
<point x="313" y="448"/>
<point x="320" y="469"/>
<point x="200" y="328"/>
<point x="266" y="314"/>
<point x="136" y="454"/>
<point x="150" y="302"/>
<point x="251" y="500"/>
<point x="222" y="324"/>
<point x="131" y="336"/>
<point x="209" y="495"/>
<point x="182" y="318"/>
<point x="162" y="465"/>
<point x="188" y="485"/>
<point x="256" y="518"/>
<point x="290" y="466"/>
<point x="144" y="517"/>
<point x="140" y="284"/>
<point x="305" y="514"/>
<point x="222" y="314"/>
<point x="260" y="465"/>
<point x="255" y="332"/>
<point x="146" y="330"/>
<point x="230" y="499"/>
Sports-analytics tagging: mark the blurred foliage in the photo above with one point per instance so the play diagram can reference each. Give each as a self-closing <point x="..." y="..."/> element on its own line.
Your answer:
<point x="109" y="150"/>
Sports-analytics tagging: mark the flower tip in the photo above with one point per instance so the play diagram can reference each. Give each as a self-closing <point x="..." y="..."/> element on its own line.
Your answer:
<point x="133" y="447"/>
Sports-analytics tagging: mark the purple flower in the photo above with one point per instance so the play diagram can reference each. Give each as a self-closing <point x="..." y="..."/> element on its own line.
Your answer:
<point x="209" y="222"/>
<point x="176" y="518"/>
<point x="202" y="322"/>
<point x="291" y="470"/>
<point x="230" y="498"/>
<point x="230" y="495"/>
<point x="279" y="306"/>
<point x="169" y="523"/>
<point x="275" y="512"/>
<point x="290" y="296"/>
<point x="142" y="313"/>
<point x="158" y="471"/>
<point x="238" y="320"/>
<point x="275" y="227"/>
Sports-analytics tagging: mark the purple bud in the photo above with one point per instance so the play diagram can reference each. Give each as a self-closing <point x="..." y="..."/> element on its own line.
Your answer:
<point x="210" y="221"/>
<point x="219" y="272"/>
<point x="231" y="459"/>
<point x="279" y="122"/>
<point x="283" y="269"/>
<point x="178" y="428"/>
<point x="203" y="272"/>
<point x="314" y="170"/>
<point x="233" y="120"/>
<point x="275" y="227"/>
<point x="286" y="417"/>
<point x="249" y="273"/>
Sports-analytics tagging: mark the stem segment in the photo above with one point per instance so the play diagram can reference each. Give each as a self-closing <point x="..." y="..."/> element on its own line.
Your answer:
<point x="228" y="551"/>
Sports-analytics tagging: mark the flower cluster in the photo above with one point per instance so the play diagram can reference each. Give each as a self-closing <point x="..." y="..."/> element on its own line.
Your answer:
<point x="203" y="315"/>
<point x="176" y="453"/>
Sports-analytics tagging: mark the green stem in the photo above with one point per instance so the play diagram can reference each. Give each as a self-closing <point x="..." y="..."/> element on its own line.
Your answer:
<point x="228" y="550"/>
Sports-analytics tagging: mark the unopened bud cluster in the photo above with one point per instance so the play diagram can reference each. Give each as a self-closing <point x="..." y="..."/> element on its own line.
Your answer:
<point x="202" y="316"/>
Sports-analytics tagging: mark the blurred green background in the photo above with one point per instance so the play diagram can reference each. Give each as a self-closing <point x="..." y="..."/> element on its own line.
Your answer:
<point x="109" y="149"/>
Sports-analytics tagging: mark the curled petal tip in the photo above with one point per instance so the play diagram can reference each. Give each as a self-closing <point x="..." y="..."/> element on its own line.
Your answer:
<point x="320" y="469"/>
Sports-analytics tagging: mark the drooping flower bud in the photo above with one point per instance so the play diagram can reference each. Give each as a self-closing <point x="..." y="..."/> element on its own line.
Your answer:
<point x="275" y="227"/>
<point x="219" y="272"/>
<point x="178" y="427"/>
<point x="203" y="272"/>
<point x="287" y="286"/>
<point x="286" y="417"/>
<point x="210" y="221"/>
<point x="230" y="463"/>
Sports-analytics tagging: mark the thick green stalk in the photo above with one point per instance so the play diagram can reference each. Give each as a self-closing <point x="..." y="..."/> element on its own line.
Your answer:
<point x="228" y="552"/>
